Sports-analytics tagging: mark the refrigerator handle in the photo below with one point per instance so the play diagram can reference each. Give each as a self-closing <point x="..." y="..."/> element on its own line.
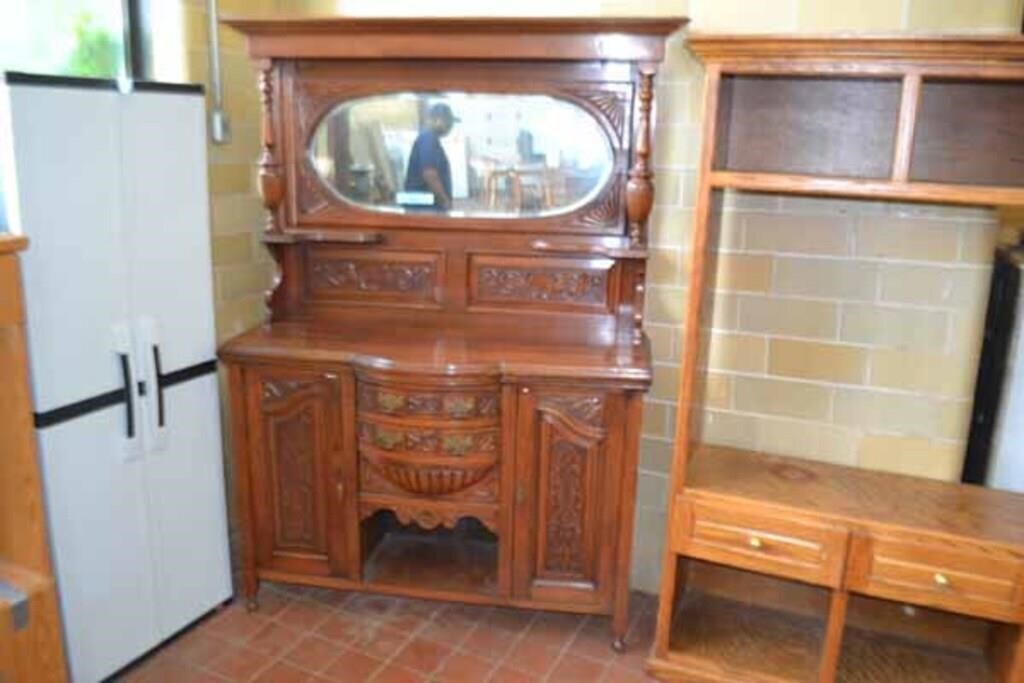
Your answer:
<point x="129" y="398"/>
<point x="155" y="418"/>
<point x="159" y="375"/>
<point x="132" y="390"/>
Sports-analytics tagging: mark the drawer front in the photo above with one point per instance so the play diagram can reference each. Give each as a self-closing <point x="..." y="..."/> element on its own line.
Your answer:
<point x="776" y="544"/>
<point x="456" y="404"/>
<point x="427" y="440"/>
<point x="960" y="576"/>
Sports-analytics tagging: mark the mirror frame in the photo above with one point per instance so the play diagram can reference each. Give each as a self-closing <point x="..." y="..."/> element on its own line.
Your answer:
<point x="605" y="91"/>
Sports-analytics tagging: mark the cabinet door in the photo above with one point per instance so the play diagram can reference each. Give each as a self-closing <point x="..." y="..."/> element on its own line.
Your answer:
<point x="302" y="470"/>
<point x="567" y="497"/>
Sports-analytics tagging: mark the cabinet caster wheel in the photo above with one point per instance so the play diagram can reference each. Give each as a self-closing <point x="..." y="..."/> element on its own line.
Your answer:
<point x="619" y="645"/>
<point x="251" y="605"/>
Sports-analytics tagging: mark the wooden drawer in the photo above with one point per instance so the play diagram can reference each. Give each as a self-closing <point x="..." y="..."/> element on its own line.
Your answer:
<point x="772" y="543"/>
<point x="952" y="574"/>
<point x="441" y="404"/>
<point x="395" y="436"/>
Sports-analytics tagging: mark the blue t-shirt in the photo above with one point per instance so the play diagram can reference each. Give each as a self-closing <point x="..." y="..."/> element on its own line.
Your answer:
<point x="428" y="153"/>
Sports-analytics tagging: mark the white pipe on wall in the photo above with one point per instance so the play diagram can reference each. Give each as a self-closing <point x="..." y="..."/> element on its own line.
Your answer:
<point x="220" y="126"/>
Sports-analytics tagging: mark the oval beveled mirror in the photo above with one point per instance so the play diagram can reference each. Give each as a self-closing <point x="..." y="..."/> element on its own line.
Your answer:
<point x="462" y="154"/>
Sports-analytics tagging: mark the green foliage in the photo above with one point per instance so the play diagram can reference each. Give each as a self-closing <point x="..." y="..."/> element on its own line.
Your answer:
<point x="97" y="53"/>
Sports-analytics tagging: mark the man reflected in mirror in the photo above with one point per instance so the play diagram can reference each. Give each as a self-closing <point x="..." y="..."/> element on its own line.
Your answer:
<point x="429" y="170"/>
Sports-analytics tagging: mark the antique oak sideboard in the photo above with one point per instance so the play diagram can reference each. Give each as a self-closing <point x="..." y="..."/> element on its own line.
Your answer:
<point x="446" y="400"/>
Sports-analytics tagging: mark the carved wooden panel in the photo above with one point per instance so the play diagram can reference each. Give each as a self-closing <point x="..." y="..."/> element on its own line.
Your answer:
<point x="430" y="516"/>
<point x="483" y="491"/>
<point x="450" y="405"/>
<point x="294" y="464"/>
<point x="567" y="502"/>
<point x="405" y="277"/>
<point x="563" y="461"/>
<point x="298" y="421"/>
<point x="423" y="476"/>
<point x="564" y="284"/>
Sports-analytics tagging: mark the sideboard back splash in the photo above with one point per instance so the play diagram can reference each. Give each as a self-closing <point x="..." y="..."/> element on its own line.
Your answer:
<point x="453" y="273"/>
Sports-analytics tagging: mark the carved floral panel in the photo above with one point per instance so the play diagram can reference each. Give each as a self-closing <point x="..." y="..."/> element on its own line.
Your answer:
<point x="294" y="463"/>
<point x="559" y="282"/>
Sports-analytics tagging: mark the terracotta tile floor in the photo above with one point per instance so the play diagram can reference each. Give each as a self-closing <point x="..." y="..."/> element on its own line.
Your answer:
<point x="310" y="635"/>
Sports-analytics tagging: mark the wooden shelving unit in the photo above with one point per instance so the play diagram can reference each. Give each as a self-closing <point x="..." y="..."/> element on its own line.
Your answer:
<point x="834" y="573"/>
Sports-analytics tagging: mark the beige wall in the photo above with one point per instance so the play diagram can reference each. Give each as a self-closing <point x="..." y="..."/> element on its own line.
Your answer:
<point x="844" y="331"/>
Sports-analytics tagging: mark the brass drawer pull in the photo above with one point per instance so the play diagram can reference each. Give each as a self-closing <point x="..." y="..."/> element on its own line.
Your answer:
<point x="941" y="580"/>
<point x="755" y="543"/>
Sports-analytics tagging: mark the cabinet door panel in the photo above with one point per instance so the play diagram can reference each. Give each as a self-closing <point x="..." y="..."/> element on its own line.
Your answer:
<point x="567" y="498"/>
<point x="299" y="467"/>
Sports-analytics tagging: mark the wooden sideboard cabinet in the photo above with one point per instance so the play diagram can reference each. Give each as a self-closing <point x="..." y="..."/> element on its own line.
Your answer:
<point x="446" y="400"/>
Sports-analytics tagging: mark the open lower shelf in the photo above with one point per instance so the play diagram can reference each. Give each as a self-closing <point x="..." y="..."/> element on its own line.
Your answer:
<point x="462" y="560"/>
<point x="869" y="657"/>
<point x="719" y="635"/>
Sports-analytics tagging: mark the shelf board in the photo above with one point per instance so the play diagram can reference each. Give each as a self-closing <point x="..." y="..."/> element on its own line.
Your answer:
<point x="728" y="640"/>
<point x="869" y="657"/>
<point x="850" y="493"/>
<point x="865" y="188"/>
<point x="440" y="560"/>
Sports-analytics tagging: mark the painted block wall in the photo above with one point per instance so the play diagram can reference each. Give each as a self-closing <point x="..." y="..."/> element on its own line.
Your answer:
<point x="843" y="331"/>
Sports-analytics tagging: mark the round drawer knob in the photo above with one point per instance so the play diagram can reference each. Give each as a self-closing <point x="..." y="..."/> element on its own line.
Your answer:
<point x="755" y="542"/>
<point x="941" y="580"/>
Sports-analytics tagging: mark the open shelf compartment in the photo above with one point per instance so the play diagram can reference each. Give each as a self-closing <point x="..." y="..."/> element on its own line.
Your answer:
<point x="463" y="559"/>
<point x="969" y="132"/>
<point x="740" y="625"/>
<point x="805" y="125"/>
<point x="889" y="641"/>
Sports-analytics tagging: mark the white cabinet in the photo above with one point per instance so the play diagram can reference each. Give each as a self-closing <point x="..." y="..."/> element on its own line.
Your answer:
<point x="111" y="190"/>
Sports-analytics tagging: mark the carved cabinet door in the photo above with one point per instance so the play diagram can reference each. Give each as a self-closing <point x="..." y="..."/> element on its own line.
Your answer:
<point x="302" y="470"/>
<point x="567" y="494"/>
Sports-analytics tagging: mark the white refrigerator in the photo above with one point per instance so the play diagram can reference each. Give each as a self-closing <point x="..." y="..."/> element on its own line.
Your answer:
<point x="111" y="190"/>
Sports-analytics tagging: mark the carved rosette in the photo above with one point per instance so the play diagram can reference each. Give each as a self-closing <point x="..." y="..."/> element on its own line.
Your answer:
<point x="640" y="188"/>
<point x="543" y="284"/>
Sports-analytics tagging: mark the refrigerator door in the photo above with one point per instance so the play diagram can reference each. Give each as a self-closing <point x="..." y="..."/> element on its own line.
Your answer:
<point x="62" y="160"/>
<point x="99" y="538"/>
<point x="171" y="292"/>
<point x="185" y="485"/>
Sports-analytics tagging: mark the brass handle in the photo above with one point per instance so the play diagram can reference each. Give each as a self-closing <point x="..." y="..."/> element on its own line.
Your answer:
<point x="941" y="580"/>
<point x="755" y="542"/>
<point x="340" y="489"/>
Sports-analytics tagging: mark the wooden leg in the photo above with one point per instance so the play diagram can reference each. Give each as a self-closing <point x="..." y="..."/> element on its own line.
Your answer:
<point x="251" y="590"/>
<point x="1006" y="652"/>
<point x="833" y="636"/>
<point x="620" y="622"/>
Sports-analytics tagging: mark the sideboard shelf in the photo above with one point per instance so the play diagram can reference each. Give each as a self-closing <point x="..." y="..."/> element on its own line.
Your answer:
<point x="782" y="569"/>
<point x="865" y="188"/>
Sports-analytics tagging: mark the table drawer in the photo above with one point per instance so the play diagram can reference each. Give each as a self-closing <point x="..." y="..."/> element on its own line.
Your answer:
<point x="778" y="544"/>
<point x="951" y="574"/>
